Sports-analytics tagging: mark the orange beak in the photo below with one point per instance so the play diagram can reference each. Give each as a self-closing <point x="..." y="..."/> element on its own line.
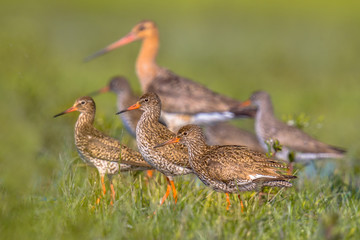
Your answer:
<point x="173" y="140"/>
<point x="72" y="109"/>
<point x="131" y="37"/>
<point x="246" y="103"/>
<point x="102" y="90"/>
<point x="133" y="107"/>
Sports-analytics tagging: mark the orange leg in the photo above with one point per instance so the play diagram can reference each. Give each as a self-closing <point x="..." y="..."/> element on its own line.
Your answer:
<point x="174" y="190"/>
<point x="112" y="192"/>
<point x="149" y="173"/>
<point x="241" y="203"/>
<point x="228" y="201"/>
<point x="103" y="185"/>
<point x="167" y="192"/>
<point x="103" y="188"/>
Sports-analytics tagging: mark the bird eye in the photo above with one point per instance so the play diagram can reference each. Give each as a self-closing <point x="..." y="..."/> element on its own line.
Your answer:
<point x="141" y="28"/>
<point x="82" y="102"/>
<point x="185" y="133"/>
<point x="146" y="100"/>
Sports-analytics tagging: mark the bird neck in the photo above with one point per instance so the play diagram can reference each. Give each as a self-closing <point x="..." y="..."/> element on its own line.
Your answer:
<point x="152" y="115"/>
<point x="196" y="149"/>
<point x="84" y="120"/>
<point x="265" y="111"/>
<point x="146" y="67"/>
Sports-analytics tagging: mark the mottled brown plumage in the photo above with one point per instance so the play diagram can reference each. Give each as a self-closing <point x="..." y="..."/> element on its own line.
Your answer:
<point x="229" y="168"/>
<point x="125" y="97"/>
<point x="107" y="154"/>
<point x="171" y="160"/>
<point x="227" y="134"/>
<point x="198" y="104"/>
<point x="268" y="127"/>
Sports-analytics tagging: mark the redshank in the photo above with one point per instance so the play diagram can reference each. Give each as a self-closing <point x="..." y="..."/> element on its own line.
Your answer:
<point x="198" y="105"/>
<point x="125" y="97"/>
<point x="296" y="144"/>
<point x="229" y="168"/>
<point x="171" y="160"/>
<point x="95" y="148"/>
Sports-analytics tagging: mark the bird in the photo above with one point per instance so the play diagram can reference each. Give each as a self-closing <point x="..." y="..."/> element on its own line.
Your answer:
<point x="125" y="97"/>
<point x="226" y="134"/>
<point x="97" y="149"/>
<point x="229" y="168"/>
<point x="198" y="105"/>
<point x="216" y="134"/>
<point x="171" y="160"/>
<point x="295" y="143"/>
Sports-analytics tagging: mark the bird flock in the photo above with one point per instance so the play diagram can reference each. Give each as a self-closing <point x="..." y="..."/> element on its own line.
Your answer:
<point x="180" y="128"/>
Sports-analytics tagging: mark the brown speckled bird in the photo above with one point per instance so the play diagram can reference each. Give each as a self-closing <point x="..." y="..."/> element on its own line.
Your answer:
<point x="209" y="107"/>
<point x="292" y="139"/>
<point x="230" y="168"/>
<point x="171" y="160"/>
<point x="125" y="97"/>
<point x="95" y="148"/>
<point x="227" y="134"/>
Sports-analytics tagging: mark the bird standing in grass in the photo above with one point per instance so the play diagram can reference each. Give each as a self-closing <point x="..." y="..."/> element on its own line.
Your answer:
<point x="171" y="160"/>
<point x="229" y="168"/>
<point x="198" y="105"/>
<point x="107" y="154"/>
<point x="125" y="97"/>
<point x="295" y="143"/>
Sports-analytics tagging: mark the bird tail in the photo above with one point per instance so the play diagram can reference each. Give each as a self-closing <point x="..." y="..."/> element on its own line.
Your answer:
<point x="278" y="183"/>
<point x="339" y="150"/>
<point x="281" y="181"/>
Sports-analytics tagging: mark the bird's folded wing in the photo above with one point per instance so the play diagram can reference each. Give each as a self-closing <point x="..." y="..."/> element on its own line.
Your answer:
<point x="171" y="88"/>
<point x="100" y="150"/>
<point x="240" y="163"/>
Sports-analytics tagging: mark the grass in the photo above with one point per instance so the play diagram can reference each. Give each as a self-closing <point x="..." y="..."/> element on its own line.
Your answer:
<point x="304" y="53"/>
<point x="66" y="209"/>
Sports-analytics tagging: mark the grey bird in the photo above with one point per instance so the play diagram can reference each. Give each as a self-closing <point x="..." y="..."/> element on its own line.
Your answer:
<point x="198" y="105"/>
<point x="295" y="143"/>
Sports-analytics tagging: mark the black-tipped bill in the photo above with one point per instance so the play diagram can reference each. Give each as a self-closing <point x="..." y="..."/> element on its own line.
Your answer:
<point x="133" y="107"/>
<point x="72" y="109"/>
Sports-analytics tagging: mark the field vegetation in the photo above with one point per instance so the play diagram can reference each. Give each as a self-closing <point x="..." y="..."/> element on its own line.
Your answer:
<point x="304" y="53"/>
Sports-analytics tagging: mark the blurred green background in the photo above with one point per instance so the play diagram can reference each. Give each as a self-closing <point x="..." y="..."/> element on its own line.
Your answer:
<point x="306" y="54"/>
